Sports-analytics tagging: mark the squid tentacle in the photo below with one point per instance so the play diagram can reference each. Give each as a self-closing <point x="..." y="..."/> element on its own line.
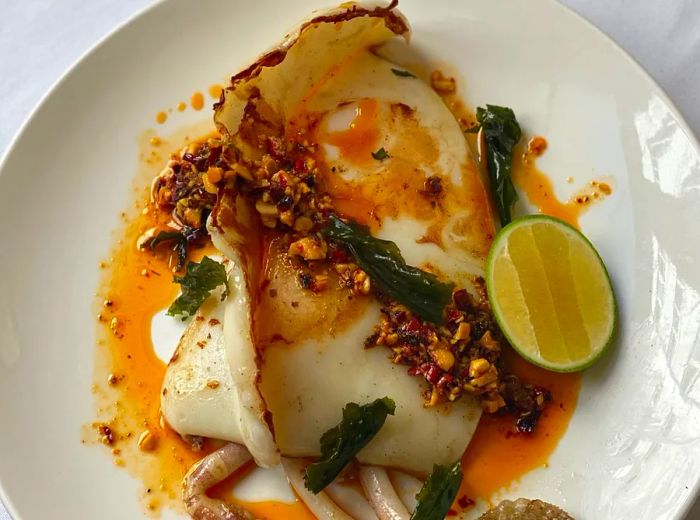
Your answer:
<point x="209" y="471"/>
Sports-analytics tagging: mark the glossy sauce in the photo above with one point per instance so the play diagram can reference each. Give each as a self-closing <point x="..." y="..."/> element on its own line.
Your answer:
<point x="539" y="188"/>
<point x="139" y="285"/>
<point x="496" y="455"/>
<point x="215" y="90"/>
<point x="136" y="285"/>
<point x="395" y="186"/>
<point x="358" y="142"/>
<point x="197" y="101"/>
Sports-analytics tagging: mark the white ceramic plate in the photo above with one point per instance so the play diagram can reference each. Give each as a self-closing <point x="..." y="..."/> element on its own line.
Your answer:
<point x="633" y="447"/>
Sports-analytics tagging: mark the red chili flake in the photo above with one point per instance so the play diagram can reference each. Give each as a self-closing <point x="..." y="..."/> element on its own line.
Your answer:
<point x="275" y="147"/>
<point x="433" y="185"/>
<point x="412" y="326"/>
<point x="464" y="502"/>
<point x="426" y="329"/>
<point x="414" y="371"/>
<point x="106" y="433"/>
<point x="282" y="181"/>
<point x="399" y="317"/>
<point x="453" y="315"/>
<point x="452" y="512"/>
<point x="445" y="380"/>
<point x="432" y="375"/>
<point x="299" y="165"/>
<point x="462" y="299"/>
<point x="338" y="256"/>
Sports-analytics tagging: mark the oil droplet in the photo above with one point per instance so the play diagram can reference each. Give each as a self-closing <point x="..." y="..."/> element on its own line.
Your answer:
<point x="197" y="101"/>
<point x="537" y="145"/>
<point x="181" y="106"/>
<point x="603" y="187"/>
<point x="215" y="90"/>
<point x="161" y="117"/>
<point x="569" y="179"/>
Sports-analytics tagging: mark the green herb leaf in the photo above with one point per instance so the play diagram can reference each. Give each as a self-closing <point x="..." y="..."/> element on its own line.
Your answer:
<point x="438" y="493"/>
<point x="418" y="290"/>
<point x="502" y="133"/>
<point x="403" y="73"/>
<point x="180" y="245"/>
<point x="342" y="442"/>
<point x="380" y="154"/>
<point x="199" y="281"/>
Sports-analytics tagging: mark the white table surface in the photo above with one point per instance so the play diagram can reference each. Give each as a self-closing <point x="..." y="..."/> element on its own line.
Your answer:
<point x="39" y="39"/>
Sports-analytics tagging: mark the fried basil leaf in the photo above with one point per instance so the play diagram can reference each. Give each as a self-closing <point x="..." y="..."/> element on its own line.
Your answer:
<point x="380" y="154"/>
<point x="342" y="442"/>
<point x="199" y="281"/>
<point x="403" y="73"/>
<point x="438" y="493"/>
<point x="418" y="290"/>
<point x="179" y="245"/>
<point x="501" y="133"/>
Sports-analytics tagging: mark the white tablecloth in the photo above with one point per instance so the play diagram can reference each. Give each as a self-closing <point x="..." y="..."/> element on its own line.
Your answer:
<point x="40" y="39"/>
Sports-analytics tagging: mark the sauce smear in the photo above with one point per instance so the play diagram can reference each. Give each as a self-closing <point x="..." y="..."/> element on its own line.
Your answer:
<point x="539" y="188"/>
<point x="496" y="455"/>
<point x="138" y="284"/>
<point x="135" y="286"/>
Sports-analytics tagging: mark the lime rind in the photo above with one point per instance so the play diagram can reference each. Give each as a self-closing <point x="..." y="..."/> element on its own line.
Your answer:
<point x="497" y="247"/>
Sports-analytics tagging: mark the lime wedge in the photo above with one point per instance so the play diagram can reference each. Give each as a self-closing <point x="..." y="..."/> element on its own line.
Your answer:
<point x="551" y="294"/>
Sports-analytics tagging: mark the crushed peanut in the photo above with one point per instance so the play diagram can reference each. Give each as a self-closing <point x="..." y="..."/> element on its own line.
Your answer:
<point x="309" y="248"/>
<point x="442" y="84"/>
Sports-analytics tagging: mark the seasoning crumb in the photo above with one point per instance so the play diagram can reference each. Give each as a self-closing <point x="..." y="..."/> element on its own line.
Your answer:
<point x="112" y="380"/>
<point x="214" y="321"/>
<point x="147" y="441"/>
<point x="106" y="434"/>
<point x="441" y="83"/>
<point x="213" y="384"/>
<point x="569" y="179"/>
<point x="604" y="187"/>
<point x="113" y="325"/>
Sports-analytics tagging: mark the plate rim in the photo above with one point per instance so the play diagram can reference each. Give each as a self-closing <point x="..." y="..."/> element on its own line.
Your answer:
<point x="565" y="10"/>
